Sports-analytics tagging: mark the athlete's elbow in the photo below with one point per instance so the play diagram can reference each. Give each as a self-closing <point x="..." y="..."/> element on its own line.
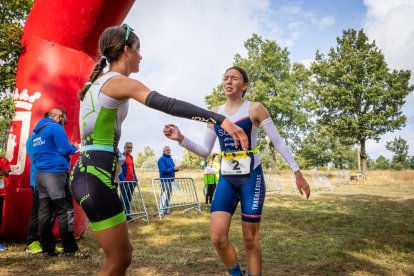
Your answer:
<point x="204" y="154"/>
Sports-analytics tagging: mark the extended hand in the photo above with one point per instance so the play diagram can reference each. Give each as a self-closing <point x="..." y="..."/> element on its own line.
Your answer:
<point x="172" y="132"/>
<point x="236" y="133"/>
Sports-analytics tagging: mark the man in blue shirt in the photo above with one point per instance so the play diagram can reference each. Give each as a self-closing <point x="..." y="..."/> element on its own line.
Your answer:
<point x="167" y="169"/>
<point x="50" y="151"/>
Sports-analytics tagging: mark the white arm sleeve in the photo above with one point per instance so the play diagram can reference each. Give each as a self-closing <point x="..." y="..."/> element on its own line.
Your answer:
<point x="279" y="143"/>
<point x="204" y="149"/>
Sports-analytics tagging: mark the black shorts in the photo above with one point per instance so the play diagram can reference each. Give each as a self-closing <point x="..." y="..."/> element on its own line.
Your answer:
<point x="92" y="186"/>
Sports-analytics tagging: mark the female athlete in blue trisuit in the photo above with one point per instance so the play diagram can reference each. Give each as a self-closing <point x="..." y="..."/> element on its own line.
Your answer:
<point x="241" y="176"/>
<point x="104" y="105"/>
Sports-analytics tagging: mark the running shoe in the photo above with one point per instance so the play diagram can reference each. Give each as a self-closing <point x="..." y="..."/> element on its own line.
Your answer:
<point x="34" y="248"/>
<point x="2" y="247"/>
<point x="77" y="255"/>
<point x="59" y="249"/>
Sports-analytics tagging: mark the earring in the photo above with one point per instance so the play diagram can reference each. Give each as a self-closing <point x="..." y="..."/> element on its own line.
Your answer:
<point x="129" y="58"/>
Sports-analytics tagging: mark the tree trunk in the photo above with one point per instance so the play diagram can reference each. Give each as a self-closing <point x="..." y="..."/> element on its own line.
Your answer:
<point x="274" y="157"/>
<point x="363" y="157"/>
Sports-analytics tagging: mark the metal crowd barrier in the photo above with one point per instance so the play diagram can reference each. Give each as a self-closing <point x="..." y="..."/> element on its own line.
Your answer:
<point x="321" y="182"/>
<point x="132" y="201"/>
<point x="343" y="177"/>
<point x="175" y="193"/>
<point x="273" y="184"/>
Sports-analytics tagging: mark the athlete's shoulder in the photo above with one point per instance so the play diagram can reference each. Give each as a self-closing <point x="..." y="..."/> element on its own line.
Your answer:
<point x="256" y="106"/>
<point x="258" y="112"/>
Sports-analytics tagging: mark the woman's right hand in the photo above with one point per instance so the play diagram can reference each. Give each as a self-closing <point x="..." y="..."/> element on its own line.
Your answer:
<point x="237" y="133"/>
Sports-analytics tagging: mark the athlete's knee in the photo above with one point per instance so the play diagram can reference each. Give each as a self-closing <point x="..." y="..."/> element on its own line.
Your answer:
<point x="127" y="259"/>
<point x="251" y="241"/>
<point x="121" y="261"/>
<point x="219" y="241"/>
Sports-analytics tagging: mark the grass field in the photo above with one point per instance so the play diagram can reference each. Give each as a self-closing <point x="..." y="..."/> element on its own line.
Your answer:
<point x="364" y="228"/>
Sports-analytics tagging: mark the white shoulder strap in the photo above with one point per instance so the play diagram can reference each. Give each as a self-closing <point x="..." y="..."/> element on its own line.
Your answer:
<point x="103" y="79"/>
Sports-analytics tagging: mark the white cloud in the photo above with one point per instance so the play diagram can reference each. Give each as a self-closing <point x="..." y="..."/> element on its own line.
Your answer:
<point x="324" y="22"/>
<point x="391" y="25"/>
<point x="309" y="15"/>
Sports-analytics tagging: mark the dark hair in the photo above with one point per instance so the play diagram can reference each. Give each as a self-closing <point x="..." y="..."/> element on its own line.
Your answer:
<point x="243" y="73"/>
<point x="111" y="46"/>
<point x="214" y="155"/>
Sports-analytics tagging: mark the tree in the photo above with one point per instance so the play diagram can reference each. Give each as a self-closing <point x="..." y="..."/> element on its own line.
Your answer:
<point x="191" y="160"/>
<point x="277" y="84"/>
<point x="13" y="14"/>
<point x="315" y="150"/>
<point x="320" y="149"/>
<point x="144" y="156"/>
<point x="354" y="93"/>
<point x="382" y="163"/>
<point x="411" y="162"/>
<point x="399" y="147"/>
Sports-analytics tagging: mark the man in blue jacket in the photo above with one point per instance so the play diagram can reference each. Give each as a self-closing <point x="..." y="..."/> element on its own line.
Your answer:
<point x="167" y="169"/>
<point x="129" y="179"/>
<point x="50" y="155"/>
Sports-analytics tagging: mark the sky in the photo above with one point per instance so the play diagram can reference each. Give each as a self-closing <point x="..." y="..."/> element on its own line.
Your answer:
<point x="188" y="44"/>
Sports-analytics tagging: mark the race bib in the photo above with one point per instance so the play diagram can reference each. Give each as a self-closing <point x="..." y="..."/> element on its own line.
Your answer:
<point x="235" y="163"/>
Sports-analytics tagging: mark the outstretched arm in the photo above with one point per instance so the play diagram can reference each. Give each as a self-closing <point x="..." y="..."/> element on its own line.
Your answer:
<point x="123" y="87"/>
<point x="261" y="115"/>
<point x="172" y="132"/>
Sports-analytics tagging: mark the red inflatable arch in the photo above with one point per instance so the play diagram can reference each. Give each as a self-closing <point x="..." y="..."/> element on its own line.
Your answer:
<point x="60" y="44"/>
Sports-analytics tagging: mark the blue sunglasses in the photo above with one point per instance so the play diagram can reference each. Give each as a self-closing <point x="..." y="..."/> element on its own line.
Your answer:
<point x="128" y="30"/>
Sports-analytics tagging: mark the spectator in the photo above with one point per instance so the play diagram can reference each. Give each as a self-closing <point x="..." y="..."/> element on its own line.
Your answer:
<point x="167" y="169"/>
<point x="33" y="239"/>
<point x="210" y="181"/>
<point x="128" y="174"/>
<point x="4" y="173"/>
<point x="51" y="151"/>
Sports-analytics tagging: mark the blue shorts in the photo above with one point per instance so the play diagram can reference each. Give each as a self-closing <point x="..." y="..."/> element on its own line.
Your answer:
<point x="249" y="190"/>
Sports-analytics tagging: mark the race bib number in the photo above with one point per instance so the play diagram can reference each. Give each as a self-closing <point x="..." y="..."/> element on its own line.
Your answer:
<point x="235" y="163"/>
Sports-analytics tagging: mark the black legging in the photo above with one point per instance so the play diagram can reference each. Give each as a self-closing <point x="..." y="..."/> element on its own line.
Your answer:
<point x="210" y="192"/>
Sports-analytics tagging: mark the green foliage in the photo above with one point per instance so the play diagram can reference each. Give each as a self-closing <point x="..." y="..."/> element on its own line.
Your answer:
<point x="276" y="83"/>
<point x="382" y="163"/>
<point x="144" y="156"/>
<point x="320" y="148"/>
<point x="355" y="95"/>
<point x="399" y="147"/>
<point x="216" y="97"/>
<point x="6" y="116"/>
<point x="411" y="162"/>
<point x="13" y="14"/>
<point x="191" y="160"/>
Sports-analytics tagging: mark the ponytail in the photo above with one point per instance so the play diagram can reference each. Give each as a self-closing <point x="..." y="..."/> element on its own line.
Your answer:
<point x="97" y="71"/>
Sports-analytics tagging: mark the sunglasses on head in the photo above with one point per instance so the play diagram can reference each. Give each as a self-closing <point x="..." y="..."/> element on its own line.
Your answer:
<point x="128" y="30"/>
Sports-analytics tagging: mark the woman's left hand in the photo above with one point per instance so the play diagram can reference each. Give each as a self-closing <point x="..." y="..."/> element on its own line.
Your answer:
<point x="302" y="184"/>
